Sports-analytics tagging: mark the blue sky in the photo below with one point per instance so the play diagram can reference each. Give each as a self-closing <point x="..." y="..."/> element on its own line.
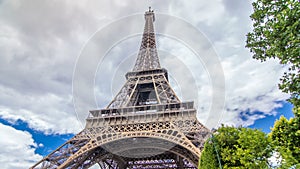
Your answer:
<point x="50" y="142"/>
<point x="265" y="124"/>
<point x="47" y="83"/>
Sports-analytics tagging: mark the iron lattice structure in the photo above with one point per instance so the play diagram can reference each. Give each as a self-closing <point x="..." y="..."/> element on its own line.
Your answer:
<point x="145" y="125"/>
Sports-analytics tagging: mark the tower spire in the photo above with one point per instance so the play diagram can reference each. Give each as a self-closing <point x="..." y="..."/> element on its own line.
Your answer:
<point x="147" y="58"/>
<point x="144" y="126"/>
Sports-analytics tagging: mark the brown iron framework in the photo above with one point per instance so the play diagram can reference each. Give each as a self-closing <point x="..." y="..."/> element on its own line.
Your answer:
<point x="145" y="125"/>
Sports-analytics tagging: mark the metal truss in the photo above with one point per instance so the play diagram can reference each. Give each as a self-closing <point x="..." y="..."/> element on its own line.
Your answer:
<point x="121" y="140"/>
<point x="157" y="84"/>
<point x="148" y="58"/>
<point x="145" y="126"/>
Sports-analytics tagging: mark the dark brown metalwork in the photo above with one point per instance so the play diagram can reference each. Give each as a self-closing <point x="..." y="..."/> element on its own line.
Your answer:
<point x="145" y="126"/>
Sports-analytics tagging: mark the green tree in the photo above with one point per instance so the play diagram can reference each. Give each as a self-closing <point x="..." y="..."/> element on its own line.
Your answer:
<point x="276" y="34"/>
<point x="209" y="158"/>
<point x="286" y="138"/>
<point x="237" y="148"/>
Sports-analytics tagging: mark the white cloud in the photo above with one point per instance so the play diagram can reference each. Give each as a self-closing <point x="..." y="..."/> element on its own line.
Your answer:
<point x="17" y="148"/>
<point x="275" y="160"/>
<point x="48" y="113"/>
<point x="39" y="47"/>
<point x="96" y="166"/>
<point x="205" y="12"/>
<point x="41" y="40"/>
<point x="251" y="86"/>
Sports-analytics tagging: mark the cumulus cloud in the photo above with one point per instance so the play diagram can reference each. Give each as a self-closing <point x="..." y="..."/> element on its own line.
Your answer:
<point x="17" y="148"/>
<point x="49" y="112"/>
<point x="40" y="43"/>
<point x="37" y="61"/>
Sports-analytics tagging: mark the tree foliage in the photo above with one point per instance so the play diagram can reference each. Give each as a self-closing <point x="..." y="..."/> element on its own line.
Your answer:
<point x="286" y="138"/>
<point x="276" y="34"/>
<point x="237" y="148"/>
<point x="209" y="159"/>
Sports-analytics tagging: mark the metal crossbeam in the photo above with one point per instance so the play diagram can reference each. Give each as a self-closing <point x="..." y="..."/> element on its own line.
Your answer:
<point x="144" y="126"/>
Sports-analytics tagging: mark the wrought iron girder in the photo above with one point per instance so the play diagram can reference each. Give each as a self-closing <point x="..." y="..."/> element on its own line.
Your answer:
<point x="145" y="125"/>
<point x="147" y="58"/>
<point x="58" y="156"/>
<point x="161" y="88"/>
<point x="159" y="161"/>
<point x="163" y="131"/>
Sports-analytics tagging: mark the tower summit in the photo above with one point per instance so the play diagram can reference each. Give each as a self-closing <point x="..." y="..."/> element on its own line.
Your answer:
<point x="144" y="126"/>
<point x="156" y="88"/>
<point x="148" y="58"/>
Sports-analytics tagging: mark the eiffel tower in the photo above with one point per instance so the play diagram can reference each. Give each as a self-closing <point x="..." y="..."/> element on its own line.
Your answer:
<point x="144" y="126"/>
